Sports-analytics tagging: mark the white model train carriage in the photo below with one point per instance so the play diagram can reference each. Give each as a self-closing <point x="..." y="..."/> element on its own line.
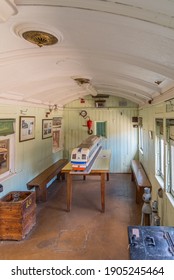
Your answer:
<point x="82" y="155"/>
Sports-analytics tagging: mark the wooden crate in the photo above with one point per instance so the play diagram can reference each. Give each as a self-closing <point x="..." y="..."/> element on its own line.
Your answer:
<point x="17" y="216"/>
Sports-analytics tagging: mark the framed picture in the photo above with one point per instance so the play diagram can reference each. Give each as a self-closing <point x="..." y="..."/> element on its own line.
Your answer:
<point x="26" y="128"/>
<point x="47" y="128"/>
<point x="57" y="134"/>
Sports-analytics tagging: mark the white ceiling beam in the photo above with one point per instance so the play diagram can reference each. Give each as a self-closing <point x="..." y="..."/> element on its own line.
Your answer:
<point x="7" y="9"/>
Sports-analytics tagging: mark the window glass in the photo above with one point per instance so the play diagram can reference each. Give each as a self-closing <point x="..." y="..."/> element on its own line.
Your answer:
<point x="140" y="131"/>
<point x="170" y="155"/>
<point x="101" y="129"/>
<point x="4" y="156"/>
<point x="161" y="157"/>
<point x="159" y="148"/>
<point x="172" y="168"/>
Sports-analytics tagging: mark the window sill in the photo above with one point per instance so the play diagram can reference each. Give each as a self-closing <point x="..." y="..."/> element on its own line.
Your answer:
<point x="171" y="198"/>
<point x="160" y="181"/>
<point x="6" y="177"/>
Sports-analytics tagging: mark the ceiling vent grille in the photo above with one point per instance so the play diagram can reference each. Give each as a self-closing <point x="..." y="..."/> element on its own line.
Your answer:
<point x="40" y="38"/>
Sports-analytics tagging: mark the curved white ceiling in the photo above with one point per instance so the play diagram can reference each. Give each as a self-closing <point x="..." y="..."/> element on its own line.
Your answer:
<point x="123" y="47"/>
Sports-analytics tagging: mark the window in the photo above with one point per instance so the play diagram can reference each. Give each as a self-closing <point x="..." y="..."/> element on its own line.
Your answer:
<point x="100" y="129"/>
<point x="171" y="185"/>
<point x="140" y="132"/>
<point x="170" y="155"/>
<point x="6" y="147"/>
<point x="4" y="156"/>
<point x="159" y="149"/>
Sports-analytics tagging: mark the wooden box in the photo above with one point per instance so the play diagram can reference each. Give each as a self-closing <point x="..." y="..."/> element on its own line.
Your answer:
<point x="17" y="215"/>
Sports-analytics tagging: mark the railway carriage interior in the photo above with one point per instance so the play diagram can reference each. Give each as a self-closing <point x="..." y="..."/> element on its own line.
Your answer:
<point x="86" y="88"/>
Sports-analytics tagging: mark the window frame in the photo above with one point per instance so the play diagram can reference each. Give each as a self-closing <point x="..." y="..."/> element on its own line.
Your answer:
<point x="140" y="135"/>
<point x="11" y="155"/>
<point x="160" y="151"/>
<point x="170" y="158"/>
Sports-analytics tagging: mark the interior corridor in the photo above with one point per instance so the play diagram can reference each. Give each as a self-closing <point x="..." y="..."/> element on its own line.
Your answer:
<point x="84" y="233"/>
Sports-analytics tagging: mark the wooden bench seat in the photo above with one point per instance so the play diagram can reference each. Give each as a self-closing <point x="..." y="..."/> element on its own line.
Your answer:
<point x="140" y="178"/>
<point x="41" y="180"/>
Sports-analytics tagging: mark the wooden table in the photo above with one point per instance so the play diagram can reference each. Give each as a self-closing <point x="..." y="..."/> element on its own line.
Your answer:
<point x="100" y="167"/>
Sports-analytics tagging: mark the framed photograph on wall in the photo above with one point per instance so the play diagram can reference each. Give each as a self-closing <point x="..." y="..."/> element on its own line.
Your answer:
<point x="57" y="134"/>
<point x="47" y="128"/>
<point x="26" y="128"/>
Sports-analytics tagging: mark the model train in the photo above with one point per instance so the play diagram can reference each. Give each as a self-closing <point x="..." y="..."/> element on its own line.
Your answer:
<point x="83" y="155"/>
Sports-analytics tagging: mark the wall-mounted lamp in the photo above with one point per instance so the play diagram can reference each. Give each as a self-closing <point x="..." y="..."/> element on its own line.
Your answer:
<point x="51" y="108"/>
<point x="47" y="114"/>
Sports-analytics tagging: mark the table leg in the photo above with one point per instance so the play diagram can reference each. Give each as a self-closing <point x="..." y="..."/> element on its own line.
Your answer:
<point x="103" y="192"/>
<point x="69" y="191"/>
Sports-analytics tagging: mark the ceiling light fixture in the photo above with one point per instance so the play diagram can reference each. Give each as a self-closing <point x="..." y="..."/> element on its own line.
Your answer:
<point x="158" y="82"/>
<point x="40" y="38"/>
<point x="86" y="85"/>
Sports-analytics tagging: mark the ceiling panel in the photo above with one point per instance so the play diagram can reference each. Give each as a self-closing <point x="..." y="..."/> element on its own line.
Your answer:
<point x="123" y="48"/>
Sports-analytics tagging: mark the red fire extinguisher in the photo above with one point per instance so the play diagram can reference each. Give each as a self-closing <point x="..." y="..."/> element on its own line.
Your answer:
<point x="89" y="125"/>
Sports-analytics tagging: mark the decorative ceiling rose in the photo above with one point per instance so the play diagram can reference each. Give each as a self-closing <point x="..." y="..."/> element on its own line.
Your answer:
<point x="40" y="38"/>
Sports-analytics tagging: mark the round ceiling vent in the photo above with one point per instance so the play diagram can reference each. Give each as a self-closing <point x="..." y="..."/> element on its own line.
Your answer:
<point x="38" y="34"/>
<point x="40" y="38"/>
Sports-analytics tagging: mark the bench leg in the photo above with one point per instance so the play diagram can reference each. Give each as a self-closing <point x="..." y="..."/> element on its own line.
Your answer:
<point x="41" y="193"/>
<point x="132" y="176"/>
<point x="61" y="176"/>
<point x="139" y="194"/>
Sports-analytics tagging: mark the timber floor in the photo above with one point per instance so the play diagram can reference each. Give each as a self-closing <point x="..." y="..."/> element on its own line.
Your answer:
<point x="84" y="233"/>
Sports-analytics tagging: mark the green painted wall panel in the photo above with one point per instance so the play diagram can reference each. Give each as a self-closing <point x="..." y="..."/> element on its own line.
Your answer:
<point x="31" y="157"/>
<point x="121" y="139"/>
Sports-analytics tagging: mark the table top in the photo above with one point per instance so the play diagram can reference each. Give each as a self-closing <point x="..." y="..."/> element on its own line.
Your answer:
<point x="101" y="164"/>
